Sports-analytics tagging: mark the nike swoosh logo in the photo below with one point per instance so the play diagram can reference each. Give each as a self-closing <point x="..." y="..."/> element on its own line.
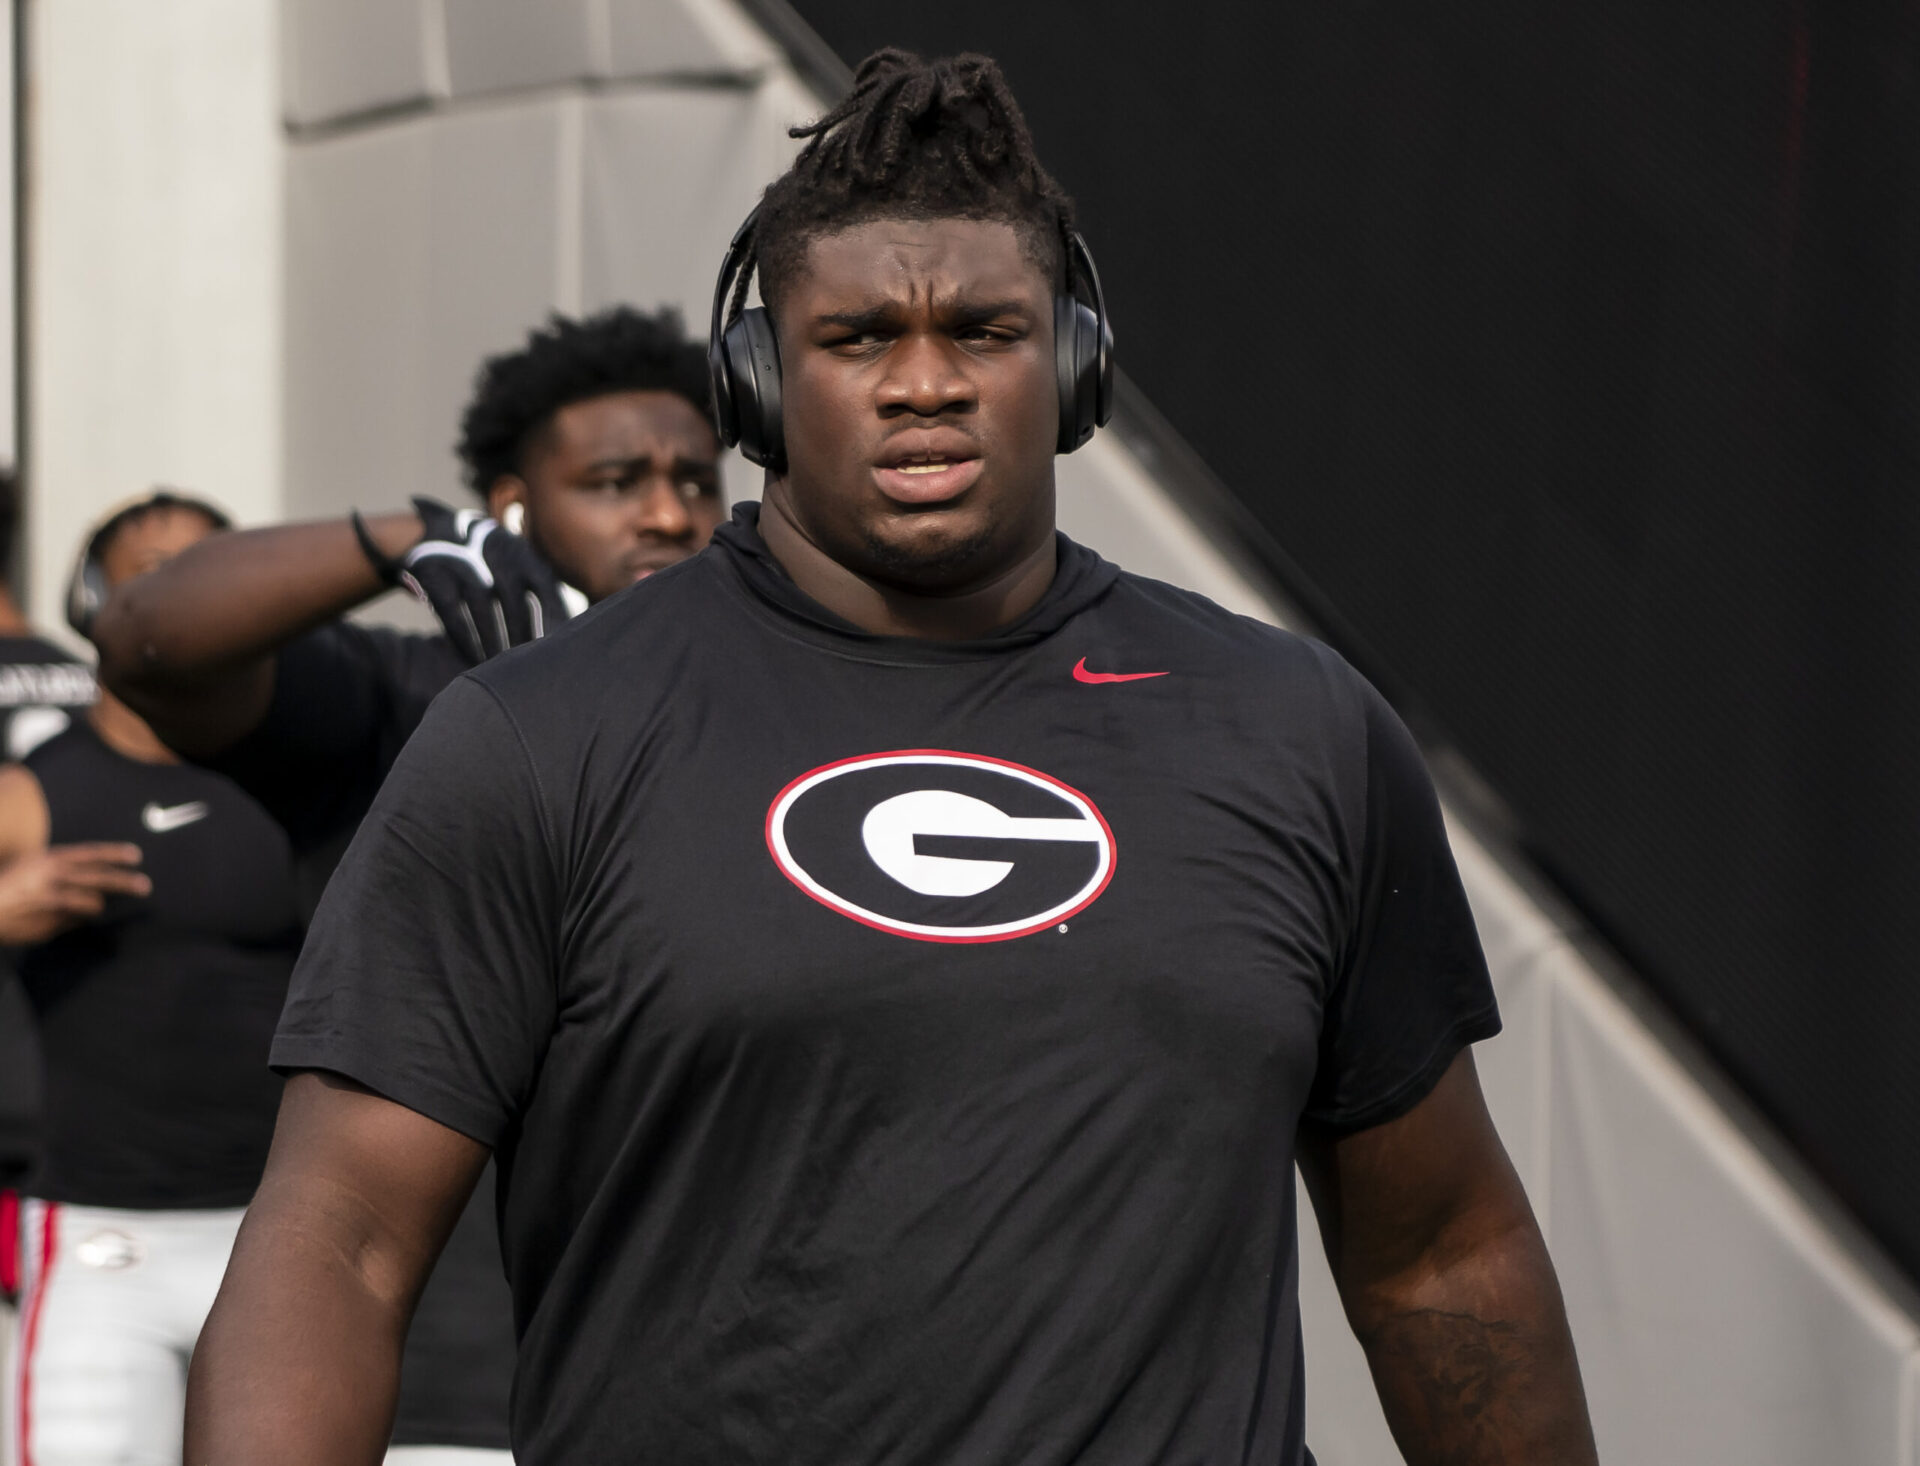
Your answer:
<point x="1081" y="674"/>
<point x="163" y="817"/>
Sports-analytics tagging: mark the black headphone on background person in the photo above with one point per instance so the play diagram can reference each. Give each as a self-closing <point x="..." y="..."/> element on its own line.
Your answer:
<point x="743" y="359"/>
<point x="87" y="588"/>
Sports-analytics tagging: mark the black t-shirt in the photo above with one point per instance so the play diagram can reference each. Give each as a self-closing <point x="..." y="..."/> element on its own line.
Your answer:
<point x="894" y="1050"/>
<point x="155" y="1018"/>
<point x="345" y="700"/>
<point x="42" y="690"/>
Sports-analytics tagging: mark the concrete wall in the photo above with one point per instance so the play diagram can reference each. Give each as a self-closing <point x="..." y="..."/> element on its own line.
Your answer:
<point x="153" y="341"/>
<point x="456" y="171"/>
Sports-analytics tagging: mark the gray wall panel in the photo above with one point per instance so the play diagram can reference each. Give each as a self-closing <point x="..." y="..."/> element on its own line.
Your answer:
<point x="415" y="249"/>
<point x="501" y="241"/>
<point x="683" y="37"/>
<point x="498" y="45"/>
<point x="341" y="57"/>
<point x="1715" y="1322"/>
<point x="669" y="176"/>
<point x="356" y="314"/>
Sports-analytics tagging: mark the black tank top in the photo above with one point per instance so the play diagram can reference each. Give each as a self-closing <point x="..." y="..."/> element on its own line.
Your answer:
<point x="155" y="1018"/>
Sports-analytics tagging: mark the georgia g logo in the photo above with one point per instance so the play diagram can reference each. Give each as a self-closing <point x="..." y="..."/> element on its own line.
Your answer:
<point x="941" y="847"/>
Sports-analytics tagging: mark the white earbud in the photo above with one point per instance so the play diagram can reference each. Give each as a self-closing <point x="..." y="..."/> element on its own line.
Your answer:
<point x="513" y="518"/>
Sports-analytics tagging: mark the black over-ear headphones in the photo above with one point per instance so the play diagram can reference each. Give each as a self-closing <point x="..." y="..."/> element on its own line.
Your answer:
<point x="743" y="359"/>
<point x="87" y="589"/>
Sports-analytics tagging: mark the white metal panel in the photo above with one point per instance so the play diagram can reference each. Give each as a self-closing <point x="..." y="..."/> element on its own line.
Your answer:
<point x="343" y="57"/>
<point x="684" y="37"/>
<point x="669" y="175"/>
<point x="496" y="230"/>
<point x="155" y="246"/>
<point x="419" y="248"/>
<point x="357" y="268"/>
<point x="500" y="45"/>
<point x="1108" y="503"/>
<point x="1717" y="1321"/>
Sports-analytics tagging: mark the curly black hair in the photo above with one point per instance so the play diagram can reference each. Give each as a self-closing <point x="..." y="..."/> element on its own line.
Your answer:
<point x="619" y="349"/>
<point x="914" y="139"/>
<point x="137" y="511"/>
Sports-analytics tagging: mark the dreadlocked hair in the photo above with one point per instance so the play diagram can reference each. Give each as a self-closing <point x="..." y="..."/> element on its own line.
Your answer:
<point x="914" y="139"/>
<point x="569" y="361"/>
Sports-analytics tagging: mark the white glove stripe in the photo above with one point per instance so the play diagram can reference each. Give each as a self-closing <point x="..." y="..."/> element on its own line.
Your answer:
<point x="470" y="554"/>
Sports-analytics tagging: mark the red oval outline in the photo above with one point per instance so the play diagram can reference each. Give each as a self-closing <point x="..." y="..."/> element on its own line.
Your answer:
<point x="1113" y="845"/>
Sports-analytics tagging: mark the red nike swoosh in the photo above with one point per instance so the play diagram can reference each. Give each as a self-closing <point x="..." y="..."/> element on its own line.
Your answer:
<point x="1081" y="674"/>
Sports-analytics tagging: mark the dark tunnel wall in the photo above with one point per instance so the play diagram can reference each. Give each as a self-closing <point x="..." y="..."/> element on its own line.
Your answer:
<point x="1573" y="352"/>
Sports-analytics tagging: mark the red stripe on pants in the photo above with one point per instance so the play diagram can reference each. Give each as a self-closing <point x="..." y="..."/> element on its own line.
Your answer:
<point x="30" y="1328"/>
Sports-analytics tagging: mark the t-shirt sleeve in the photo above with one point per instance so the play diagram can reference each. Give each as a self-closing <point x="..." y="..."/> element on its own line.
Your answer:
<point x="1414" y="988"/>
<point x="345" y="699"/>
<point x="429" y="973"/>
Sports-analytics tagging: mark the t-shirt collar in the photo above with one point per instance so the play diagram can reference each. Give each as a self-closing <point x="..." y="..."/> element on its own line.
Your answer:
<point x="1081" y="579"/>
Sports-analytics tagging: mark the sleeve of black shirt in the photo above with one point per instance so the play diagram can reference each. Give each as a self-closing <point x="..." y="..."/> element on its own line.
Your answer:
<point x="428" y="975"/>
<point x="1414" y="990"/>
<point x="345" y="700"/>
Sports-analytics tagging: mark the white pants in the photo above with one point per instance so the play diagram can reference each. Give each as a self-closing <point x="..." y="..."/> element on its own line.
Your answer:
<point x="111" y="1303"/>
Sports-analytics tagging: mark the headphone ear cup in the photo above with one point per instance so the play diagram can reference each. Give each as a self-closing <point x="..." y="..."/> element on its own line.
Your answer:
<point x="86" y="594"/>
<point x="753" y="388"/>
<point x="1080" y="367"/>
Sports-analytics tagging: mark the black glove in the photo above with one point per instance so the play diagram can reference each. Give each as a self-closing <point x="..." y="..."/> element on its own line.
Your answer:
<point x="490" y="589"/>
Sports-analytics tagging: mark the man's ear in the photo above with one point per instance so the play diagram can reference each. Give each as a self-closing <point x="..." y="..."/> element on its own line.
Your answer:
<point x="507" y="501"/>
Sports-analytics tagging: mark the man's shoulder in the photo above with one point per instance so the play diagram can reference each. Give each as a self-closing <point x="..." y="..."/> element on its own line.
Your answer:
<point x="1212" y="639"/>
<point x="627" y="650"/>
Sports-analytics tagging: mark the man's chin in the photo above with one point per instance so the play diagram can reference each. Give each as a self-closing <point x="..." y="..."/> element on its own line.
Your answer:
<point x="928" y="553"/>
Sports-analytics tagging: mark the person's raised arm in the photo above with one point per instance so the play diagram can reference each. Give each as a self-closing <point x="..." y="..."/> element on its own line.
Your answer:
<point x="1447" y="1283"/>
<point x="190" y="646"/>
<point x="299" y="1361"/>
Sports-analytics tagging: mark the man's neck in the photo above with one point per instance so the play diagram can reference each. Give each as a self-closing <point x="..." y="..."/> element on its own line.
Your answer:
<point x="889" y="611"/>
<point x="122" y="730"/>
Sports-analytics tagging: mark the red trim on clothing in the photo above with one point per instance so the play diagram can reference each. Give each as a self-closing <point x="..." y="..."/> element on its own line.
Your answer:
<point x="30" y="1326"/>
<point x="9" y="1242"/>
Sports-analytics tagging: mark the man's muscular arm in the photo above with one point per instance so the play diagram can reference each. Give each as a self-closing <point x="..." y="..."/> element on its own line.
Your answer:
<point x="299" y="1362"/>
<point x="190" y="647"/>
<point x="1447" y="1283"/>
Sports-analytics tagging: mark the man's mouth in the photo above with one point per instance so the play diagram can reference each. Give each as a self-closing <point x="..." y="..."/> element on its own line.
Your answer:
<point x="927" y="474"/>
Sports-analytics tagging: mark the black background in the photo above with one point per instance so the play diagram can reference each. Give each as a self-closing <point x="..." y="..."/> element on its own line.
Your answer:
<point x="1573" y="353"/>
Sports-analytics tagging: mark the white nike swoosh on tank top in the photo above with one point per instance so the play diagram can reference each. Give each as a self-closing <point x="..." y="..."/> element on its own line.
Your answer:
<point x="161" y="818"/>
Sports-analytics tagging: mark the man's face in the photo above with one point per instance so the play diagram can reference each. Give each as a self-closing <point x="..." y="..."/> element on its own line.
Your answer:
<point x="921" y="409"/>
<point x="151" y="540"/>
<point x="617" y="487"/>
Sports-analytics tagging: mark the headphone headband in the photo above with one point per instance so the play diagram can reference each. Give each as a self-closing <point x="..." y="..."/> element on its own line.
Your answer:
<point x="87" y="588"/>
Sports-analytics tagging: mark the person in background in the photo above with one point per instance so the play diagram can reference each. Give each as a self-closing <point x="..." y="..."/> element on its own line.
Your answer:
<point x="591" y="449"/>
<point x="42" y="689"/>
<point x="154" y="903"/>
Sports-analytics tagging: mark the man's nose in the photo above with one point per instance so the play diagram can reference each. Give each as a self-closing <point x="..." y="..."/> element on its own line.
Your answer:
<point x="925" y="376"/>
<point x="661" y="509"/>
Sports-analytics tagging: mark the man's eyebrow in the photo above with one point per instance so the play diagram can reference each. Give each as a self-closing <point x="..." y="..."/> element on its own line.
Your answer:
<point x="643" y="460"/>
<point x="864" y="319"/>
<point x="975" y="313"/>
<point x="962" y="312"/>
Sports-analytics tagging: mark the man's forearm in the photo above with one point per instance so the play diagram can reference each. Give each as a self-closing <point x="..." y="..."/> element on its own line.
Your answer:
<point x="190" y="646"/>
<point x="299" y="1361"/>
<point x="1474" y="1362"/>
